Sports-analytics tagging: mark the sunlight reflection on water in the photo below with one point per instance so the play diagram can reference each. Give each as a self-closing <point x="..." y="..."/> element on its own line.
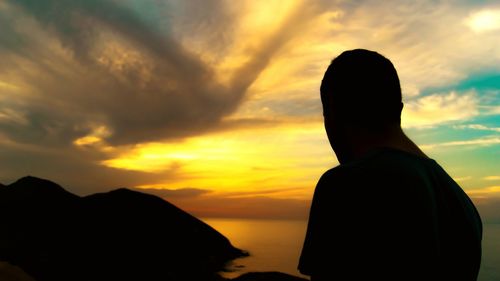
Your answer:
<point x="274" y="245"/>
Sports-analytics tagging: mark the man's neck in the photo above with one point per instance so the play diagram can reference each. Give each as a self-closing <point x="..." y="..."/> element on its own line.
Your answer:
<point x="360" y="143"/>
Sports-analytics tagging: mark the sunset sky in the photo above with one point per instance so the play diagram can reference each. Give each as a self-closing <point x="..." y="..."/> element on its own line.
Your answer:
<point x="214" y="105"/>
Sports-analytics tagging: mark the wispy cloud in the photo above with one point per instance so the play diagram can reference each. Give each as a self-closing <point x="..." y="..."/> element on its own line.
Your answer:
<point x="462" y="179"/>
<point x="491" y="109"/>
<point x="487" y="201"/>
<point x="493" y="191"/>
<point x="486" y="141"/>
<point x="492" y="178"/>
<point x="439" y="108"/>
<point x="478" y="127"/>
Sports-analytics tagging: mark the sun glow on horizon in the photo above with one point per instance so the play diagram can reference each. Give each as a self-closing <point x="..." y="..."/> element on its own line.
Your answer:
<point x="248" y="160"/>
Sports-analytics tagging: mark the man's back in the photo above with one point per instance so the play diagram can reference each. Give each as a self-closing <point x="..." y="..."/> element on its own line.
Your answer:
<point x="394" y="215"/>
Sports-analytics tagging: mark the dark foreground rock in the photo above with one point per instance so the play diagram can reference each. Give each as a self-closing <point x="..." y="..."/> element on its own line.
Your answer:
<point x="121" y="235"/>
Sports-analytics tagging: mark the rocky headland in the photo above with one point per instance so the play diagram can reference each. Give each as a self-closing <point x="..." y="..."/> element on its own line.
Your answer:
<point x="51" y="234"/>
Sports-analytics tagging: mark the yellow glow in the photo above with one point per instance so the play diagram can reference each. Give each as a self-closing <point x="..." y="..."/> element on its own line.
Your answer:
<point x="254" y="28"/>
<point x="283" y="159"/>
<point x="487" y="192"/>
<point x="96" y="136"/>
<point x="88" y="140"/>
<point x="264" y="16"/>
<point x="462" y="179"/>
<point x="9" y="86"/>
<point x="486" y="20"/>
<point x="492" y="178"/>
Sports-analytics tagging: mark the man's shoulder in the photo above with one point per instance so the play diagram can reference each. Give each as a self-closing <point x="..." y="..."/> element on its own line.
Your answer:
<point x="336" y="173"/>
<point x="339" y="178"/>
<point x="382" y="167"/>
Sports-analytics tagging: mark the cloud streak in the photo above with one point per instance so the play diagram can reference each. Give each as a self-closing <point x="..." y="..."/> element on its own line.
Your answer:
<point x="492" y="178"/>
<point x="486" y="141"/>
<point x="478" y="127"/>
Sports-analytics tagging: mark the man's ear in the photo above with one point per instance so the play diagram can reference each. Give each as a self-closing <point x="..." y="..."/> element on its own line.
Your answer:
<point x="401" y="107"/>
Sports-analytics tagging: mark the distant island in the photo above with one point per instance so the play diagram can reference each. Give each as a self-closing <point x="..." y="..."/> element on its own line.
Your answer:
<point x="54" y="235"/>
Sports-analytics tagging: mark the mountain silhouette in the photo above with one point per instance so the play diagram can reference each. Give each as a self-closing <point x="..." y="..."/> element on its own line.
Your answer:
<point x="55" y="235"/>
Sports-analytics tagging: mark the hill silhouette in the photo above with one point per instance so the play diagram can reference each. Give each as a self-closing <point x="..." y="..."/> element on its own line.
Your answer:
<point x="119" y="235"/>
<point x="54" y="235"/>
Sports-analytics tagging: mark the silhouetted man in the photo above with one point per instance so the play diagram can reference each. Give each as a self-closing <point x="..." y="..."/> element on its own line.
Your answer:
<point x="387" y="212"/>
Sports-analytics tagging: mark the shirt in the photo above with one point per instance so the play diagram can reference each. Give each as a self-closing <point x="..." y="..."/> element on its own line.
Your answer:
<point x="391" y="215"/>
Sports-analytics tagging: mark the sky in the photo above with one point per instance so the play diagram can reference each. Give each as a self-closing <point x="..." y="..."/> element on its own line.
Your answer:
<point x="214" y="105"/>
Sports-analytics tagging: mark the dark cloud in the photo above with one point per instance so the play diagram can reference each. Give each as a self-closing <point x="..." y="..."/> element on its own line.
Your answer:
<point x="211" y="18"/>
<point x="115" y="68"/>
<point x="164" y="91"/>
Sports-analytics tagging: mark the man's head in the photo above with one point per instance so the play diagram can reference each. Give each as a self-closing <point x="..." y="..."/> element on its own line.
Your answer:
<point x="361" y="89"/>
<point x="361" y="98"/>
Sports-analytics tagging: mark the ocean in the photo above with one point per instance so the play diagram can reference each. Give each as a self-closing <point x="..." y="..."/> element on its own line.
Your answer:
<point x="275" y="245"/>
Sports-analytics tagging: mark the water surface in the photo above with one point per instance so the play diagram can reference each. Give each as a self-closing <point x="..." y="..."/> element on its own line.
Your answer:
<point x="275" y="245"/>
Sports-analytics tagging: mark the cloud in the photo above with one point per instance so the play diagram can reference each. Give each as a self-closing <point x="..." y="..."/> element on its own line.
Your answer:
<point x="149" y="71"/>
<point x="203" y="26"/>
<point x="487" y="201"/>
<point x="100" y="64"/>
<point x="108" y="68"/>
<point x="428" y="41"/>
<point x="462" y="179"/>
<point x="146" y="71"/>
<point x="437" y="109"/>
<point x="492" y="178"/>
<point x="478" y="127"/>
<point x="8" y="115"/>
<point x="491" y="110"/>
<point x="484" y="141"/>
<point x="82" y="81"/>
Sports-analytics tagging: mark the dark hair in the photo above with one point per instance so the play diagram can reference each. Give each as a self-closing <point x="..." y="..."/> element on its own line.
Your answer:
<point x="362" y="88"/>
